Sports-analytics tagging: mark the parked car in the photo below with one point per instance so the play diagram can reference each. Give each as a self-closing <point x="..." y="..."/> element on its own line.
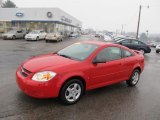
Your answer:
<point x="14" y="34"/>
<point x="107" y="38"/>
<point x="97" y="35"/>
<point x="82" y="66"/>
<point x="73" y="34"/>
<point x="158" y="48"/>
<point x="135" y="45"/>
<point x="153" y="44"/>
<point x="54" y="37"/>
<point x="36" y="35"/>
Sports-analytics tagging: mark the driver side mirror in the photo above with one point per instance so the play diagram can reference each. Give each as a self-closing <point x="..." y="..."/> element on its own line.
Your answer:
<point x="96" y="60"/>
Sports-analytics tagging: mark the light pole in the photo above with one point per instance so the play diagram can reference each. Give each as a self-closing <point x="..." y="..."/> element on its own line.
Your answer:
<point x="122" y="29"/>
<point x="139" y="18"/>
<point x="147" y="35"/>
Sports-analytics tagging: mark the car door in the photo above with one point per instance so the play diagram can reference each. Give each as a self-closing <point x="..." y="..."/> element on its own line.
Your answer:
<point x="40" y="35"/>
<point x="126" y="42"/>
<point x="109" y="72"/>
<point x="43" y="34"/>
<point x="135" y="44"/>
<point x="19" y="34"/>
<point x="129" y="62"/>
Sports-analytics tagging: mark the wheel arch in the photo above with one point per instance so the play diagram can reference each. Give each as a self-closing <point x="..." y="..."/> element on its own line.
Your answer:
<point x="73" y="77"/>
<point x="138" y="68"/>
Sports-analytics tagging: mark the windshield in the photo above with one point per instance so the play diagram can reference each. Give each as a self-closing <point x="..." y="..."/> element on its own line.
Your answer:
<point x="78" y="51"/>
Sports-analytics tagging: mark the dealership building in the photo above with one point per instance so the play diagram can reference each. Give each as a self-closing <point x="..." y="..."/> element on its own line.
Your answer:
<point x="48" y="19"/>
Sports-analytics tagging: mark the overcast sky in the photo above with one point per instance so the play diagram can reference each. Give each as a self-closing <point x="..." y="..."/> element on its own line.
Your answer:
<point x="106" y="14"/>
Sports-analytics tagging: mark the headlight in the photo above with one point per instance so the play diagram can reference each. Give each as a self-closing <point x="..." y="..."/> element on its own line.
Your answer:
<point x="43" y="76"/>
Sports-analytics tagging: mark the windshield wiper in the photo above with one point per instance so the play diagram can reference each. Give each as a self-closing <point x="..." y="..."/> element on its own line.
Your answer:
<point x="66" y="56"/>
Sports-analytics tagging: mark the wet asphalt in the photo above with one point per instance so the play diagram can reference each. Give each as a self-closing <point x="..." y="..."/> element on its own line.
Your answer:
<point x="115" y="102"/>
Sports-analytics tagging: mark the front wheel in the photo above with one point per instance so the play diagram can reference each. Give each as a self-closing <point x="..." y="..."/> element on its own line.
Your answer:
<point x="37" y="38"/>
<point x="134" y="78"/>
<point x="14" y="37"/>
<point x="71" y="91"/>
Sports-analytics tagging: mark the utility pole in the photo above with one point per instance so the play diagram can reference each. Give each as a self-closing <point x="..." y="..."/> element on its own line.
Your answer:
<point x="122" y="30"/>
<point x="139" y="18"/>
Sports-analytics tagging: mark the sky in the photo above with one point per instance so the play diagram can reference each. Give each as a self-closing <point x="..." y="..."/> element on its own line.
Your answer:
<point x="106" y="14"/>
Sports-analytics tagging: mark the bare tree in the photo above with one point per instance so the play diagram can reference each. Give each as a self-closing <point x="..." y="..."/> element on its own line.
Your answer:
<point x="8" y="4"/>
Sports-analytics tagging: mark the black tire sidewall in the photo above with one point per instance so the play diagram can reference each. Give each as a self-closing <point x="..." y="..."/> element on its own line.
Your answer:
<point x="129" y="82"/>
<point x="14" y="37"/>
<point x="65" y="86"/>
<point x="37" y="38"/>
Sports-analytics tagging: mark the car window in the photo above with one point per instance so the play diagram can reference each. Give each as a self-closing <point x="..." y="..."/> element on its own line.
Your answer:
<point x="110" y="53"/>
<point x="141" y="43"/>
<point x="126" y="53"/>
<point x="135" y="42"/>
<point x="19" y="31"/>
<point x="125" y="41"/>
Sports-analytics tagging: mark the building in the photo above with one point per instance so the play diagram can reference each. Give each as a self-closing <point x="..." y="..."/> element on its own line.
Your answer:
<point x="48" y="19"/>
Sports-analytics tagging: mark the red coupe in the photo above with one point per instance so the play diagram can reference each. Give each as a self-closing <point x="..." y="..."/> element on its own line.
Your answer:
<point x="82" y="66"/>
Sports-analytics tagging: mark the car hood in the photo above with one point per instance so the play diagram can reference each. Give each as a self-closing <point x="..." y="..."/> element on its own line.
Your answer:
<point x="50" y="61"/>
<point x="32" y="35"/>
<point x="8" y="34"/>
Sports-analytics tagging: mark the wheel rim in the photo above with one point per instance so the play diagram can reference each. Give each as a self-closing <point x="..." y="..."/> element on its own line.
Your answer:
<point x="135" y="78"/>
<point x="73" y="92"/>
<point x="142" y="51"/>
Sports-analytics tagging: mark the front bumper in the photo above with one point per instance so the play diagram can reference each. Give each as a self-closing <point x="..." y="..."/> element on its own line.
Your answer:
<point x="37" y="89"/>
<point x="7" y="37"/>
<point x="30" y="38"/>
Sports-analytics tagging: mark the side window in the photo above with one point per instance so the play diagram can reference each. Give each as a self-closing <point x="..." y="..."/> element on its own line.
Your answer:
<point x="135" y="42"/>
<point x="141" y="43"/>
<point x="126" y="53"/>
<point x="125" y="41"/>
<point x="110" y="53"/>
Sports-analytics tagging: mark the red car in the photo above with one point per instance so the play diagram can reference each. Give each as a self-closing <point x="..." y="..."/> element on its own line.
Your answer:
<point x="82" y="66"/>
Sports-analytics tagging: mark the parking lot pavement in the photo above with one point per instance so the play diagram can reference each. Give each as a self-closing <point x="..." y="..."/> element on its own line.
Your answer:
<point x="115" y="102"/>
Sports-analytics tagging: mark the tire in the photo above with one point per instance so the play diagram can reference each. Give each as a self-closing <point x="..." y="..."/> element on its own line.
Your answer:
<point x="157" y="51"/>
<point x="133" y="80"/>
<point x="142" y="50"/>
<point x="14" y="37"/>
<point x="46" y="41"/>
<point x="71" y="92"/>
<point x="37" y="38"/>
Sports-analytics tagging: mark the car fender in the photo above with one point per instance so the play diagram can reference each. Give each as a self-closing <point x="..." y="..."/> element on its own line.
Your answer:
<point x="137" y="65"/>
<point x="69" y="76"/>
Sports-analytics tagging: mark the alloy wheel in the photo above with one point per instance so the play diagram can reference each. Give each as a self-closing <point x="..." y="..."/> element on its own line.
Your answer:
<point x="73" y="92"/>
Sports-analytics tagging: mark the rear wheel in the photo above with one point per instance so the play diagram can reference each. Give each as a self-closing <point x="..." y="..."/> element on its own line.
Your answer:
<point x="142" y="51"/>
<point x="71" y="91"/>
<point x="134" y="78"/>
<point x="157" y="51"/>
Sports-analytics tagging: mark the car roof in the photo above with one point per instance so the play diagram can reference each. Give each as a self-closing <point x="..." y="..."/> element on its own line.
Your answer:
<point x="104" y="44"/>
<point x="99" y="43"/>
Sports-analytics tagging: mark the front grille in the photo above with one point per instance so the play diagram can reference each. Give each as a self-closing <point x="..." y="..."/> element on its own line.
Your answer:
<point x="25" y="72"/>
